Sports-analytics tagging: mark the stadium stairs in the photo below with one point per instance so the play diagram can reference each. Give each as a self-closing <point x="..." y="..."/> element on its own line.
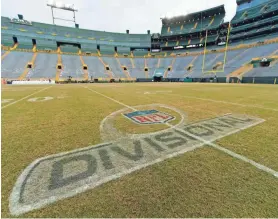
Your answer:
<point x="107" y="68"/>
<point x="115" y="67"/>
<point x="59" y="67"/>
<point x="29" y="66"/>
<point x="14" y="47"/>
<point x="158" y="63"/>
<point x="84" y="68"/>
<point x="124" y="68"/>
<point x="5" y="54"/>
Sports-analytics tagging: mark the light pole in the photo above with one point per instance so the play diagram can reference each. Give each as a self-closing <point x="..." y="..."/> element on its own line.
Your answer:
<point x="61" y="6"/>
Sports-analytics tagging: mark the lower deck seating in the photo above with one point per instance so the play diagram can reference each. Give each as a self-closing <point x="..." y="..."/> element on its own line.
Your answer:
<point x="263" y="72"/>
<point x="14" y="63"/>
<point x="45" y="66"/>
<point x="72" y="66"/>
<point x="115" y="67"/>
<point x="95" y="68"/>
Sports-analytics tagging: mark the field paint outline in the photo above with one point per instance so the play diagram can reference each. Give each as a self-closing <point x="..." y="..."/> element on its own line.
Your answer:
<point x="225" y="102"/>
<point x="25" y="97"/>
<point x="15" y="195"/>
<point x="133" y="136"/>
<point x="151" y="123"/>
<point x="37" y="99"/>
<point x="6" y="100"/>
<point x="16" y="190"/>
<point x="229" y="152"/>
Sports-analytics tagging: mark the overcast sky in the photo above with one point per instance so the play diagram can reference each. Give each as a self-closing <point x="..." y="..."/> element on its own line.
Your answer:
<point x="114" y="15"/>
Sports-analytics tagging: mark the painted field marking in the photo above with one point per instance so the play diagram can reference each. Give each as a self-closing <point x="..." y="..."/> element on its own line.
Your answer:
<point x="225" y="102"/>
<point x="6" y="100"/>
<point x="116" y="101"/>
<point x="40" y="99"/>
<point x="55" y="177"/>
<point x="119" y="135"/>
<point x="229" y="152"/>
<point x="25" y="97"/>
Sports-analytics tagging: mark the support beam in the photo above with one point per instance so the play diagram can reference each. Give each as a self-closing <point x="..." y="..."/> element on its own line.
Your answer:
<point x="132" y="62"/>
<point x="121" y="67"/>
<point x="26" y="70"/>
<point x="166" y="72"/>
<point x="86" y="74"/>
<point x="190" y="64"/>
<point x="14" y="47"/>
<point x="59" y="63"/>
<point x="5" y="54"/>
<point x="109" y="73"/>
<point x="158" y="63"/>
<point x="34" y="48"/>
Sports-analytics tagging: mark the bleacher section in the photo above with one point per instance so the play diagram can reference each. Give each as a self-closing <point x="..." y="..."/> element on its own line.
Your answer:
<point x="249" y="22"/>
<point x="95" y="67"/>
<point x="260" y="20"/>
<point x="71" y="67"/>
<point x="48" y="35"/>
<point x="14" y="64"/>
<point x="263" y="72"/>
<point x="45" y="66"/>
<point x="194" y="22"/>
<point x="114" y="66"/>
<point x="253" y="12"/>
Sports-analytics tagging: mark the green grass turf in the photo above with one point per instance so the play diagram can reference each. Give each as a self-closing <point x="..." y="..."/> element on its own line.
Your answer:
<point x="201" y="183"/>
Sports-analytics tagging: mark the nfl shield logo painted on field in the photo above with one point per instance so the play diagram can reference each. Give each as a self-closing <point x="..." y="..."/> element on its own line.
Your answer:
<point x="149" y="117"/>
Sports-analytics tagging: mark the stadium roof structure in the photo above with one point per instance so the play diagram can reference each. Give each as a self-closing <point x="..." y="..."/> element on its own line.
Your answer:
<point x="209" y="12"/>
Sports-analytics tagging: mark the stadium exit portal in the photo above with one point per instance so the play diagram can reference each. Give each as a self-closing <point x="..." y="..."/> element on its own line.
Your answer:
<point x="157" y="78"/>
<point x="158" y="74"/>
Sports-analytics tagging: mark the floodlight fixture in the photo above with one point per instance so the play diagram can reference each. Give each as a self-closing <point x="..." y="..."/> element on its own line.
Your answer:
<point x="61" y="6"/>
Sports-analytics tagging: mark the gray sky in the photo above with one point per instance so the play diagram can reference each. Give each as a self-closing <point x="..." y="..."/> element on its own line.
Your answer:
<point x="114" y="15"/>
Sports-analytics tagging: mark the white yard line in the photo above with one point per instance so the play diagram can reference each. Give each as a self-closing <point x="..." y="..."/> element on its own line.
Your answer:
<point x="116" y="101"/>
<point x="225" y="102"/>
<point x="231" y="153"/>
<point x="215" y="146"/>
<point x="25" y="97"/>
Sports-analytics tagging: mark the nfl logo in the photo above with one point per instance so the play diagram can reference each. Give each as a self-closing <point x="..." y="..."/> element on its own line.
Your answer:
<point x="149" y="117"/>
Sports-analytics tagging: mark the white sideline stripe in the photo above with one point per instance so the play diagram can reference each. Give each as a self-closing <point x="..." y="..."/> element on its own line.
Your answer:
<point x="25" y="97"/>
<point x="225" y="102"/>
<point x="229" y="152"/>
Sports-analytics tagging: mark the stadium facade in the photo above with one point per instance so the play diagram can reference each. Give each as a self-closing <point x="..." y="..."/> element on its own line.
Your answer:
<point x="192" y="47"/>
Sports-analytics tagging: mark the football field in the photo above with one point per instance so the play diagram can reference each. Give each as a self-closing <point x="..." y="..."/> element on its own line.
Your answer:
<point x="140" y="150"/>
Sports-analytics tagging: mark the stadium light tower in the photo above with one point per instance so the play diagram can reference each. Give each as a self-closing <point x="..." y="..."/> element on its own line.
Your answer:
<point x="61" y="6"/>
